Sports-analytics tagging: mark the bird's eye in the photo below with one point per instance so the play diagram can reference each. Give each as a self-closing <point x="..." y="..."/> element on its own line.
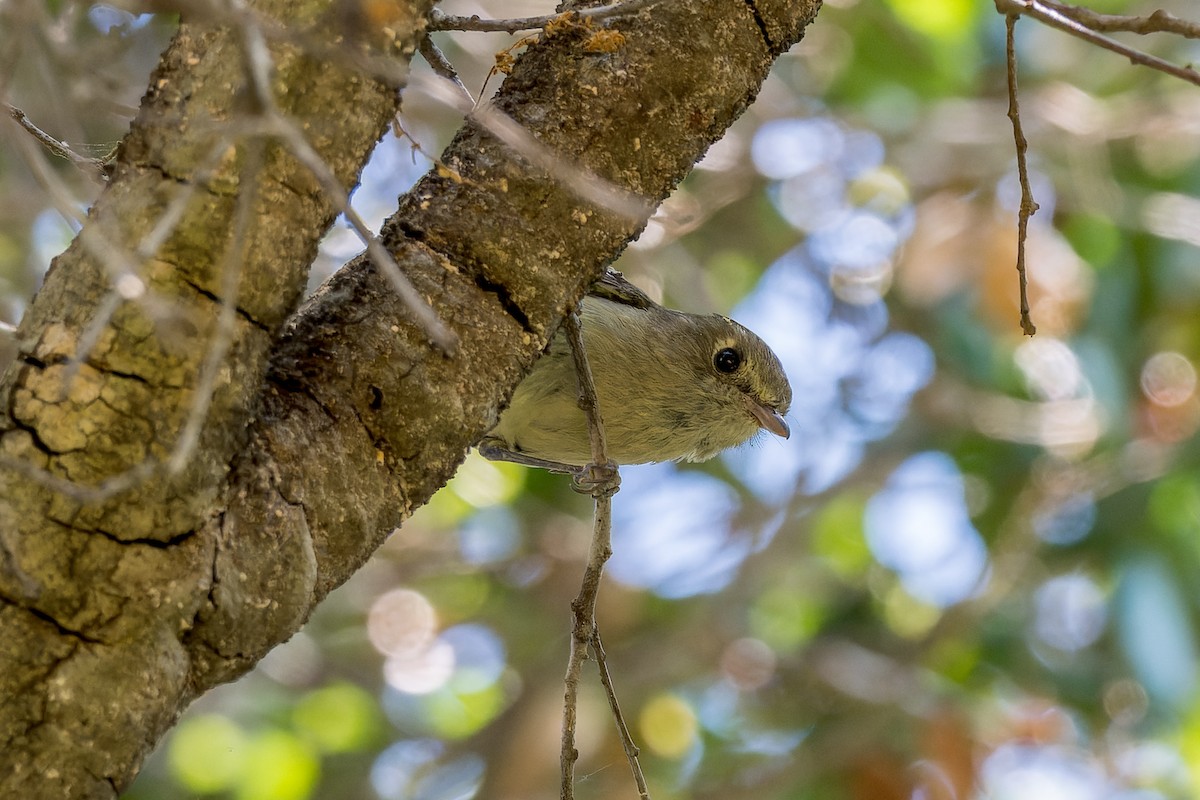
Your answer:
<point x="727" y="360"/>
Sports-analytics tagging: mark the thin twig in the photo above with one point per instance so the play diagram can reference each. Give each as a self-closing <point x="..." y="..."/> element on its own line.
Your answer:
<point x="583" y="615"/>
<point x="604" y="480"/>
<point x="1028" y="206"/>
<point x="120" y="265"/>
<point x="69" y="207"/>
<point x="93" y="166"/>
<point x="441" y="65"/>
<point x="631" y="749"/>
<point x="584" y="183"/>
<point x="440" y="21"/>
<point x="277" y="124"/>
<point x="587" y="390"/>
<point x="583" y="607"/>
<point x="1054" y="18"/>
<point x="79" y="492"/>
<point x="437" y="331"/>
<point x="1157" y="22"/>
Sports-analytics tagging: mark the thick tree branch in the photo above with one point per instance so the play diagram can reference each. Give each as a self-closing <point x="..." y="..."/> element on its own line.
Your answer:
<point x="97" y="588"/>
<point x="359" y="418"/>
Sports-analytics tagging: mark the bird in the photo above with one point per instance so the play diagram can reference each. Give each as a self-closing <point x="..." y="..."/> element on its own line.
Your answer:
<point x="670" y="386"/>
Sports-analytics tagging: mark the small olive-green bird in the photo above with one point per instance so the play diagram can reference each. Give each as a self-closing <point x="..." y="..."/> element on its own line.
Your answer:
<point x="671" y="387"/>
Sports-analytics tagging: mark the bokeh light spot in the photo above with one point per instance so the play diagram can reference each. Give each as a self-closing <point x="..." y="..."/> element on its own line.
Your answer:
<point x="401" y="623"/>
<point x="1026" y="772"/>
<point x="283" y="768"/>
<point x="785" y="148"/>
<point x="671" y="532"/>
<point x="1066" y="520"/>
<point x="1168" y="379"/>
<point x="1154" y="624"/>
<point x="483" y="483"/>
<point x="749" y="664"/>
<point x="479" y="656"/>
<point x="944" y="19"/>
<point x="918" y="525"/>
<point x="1051" y="369"/>
<point x="786" y="617"/>
<point x="908" y="616"/>
<point x="838" y="536"/>
<point x="338" y="719"/>
<point x="457" y="715"/>
<point x="1070" y="612"/>
<point x="208" y="753"/>
<point x="668" y="725"/>
<point x="420" y="672"/>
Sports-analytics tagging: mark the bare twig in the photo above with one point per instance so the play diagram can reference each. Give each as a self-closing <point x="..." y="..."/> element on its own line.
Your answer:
<point x="583" y="607"/>
<point x="69" y="207"/>
<point x="587" y="390"/>
<point x="93" y="166"/>
<point x="1028" y="206"/>
<point x="583" y="182"/>
<point x="1056" y="19"/>
<point x="82" y="493"/>
<point x="631" y="749"/>
<point x="441" y="336"/>
<point x="440" y="21"/>
<point x="441" y="65"/>
<point x="120" y="265"/>
<point x="277" y="124"/>
<point x="604" y="480"/>
<point x="1158" y="22"/>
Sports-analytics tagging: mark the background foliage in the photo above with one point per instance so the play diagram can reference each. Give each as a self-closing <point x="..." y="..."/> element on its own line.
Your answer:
<point x="972" y="570"/>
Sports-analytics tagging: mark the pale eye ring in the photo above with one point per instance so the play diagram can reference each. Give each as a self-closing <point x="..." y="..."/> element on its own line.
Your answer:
<point x="727" y="360"/>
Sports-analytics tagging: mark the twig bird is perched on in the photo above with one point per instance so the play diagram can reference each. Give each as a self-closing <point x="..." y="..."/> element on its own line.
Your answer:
<point x="671" y="386"/>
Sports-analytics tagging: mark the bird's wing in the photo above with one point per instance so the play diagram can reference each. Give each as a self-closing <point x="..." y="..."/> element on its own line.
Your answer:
<point x="613" y="286"/>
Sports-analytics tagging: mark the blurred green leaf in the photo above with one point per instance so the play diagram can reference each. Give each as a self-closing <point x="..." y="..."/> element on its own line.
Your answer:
<point x="338" y="718"/>
<point x="786" y="617"/>
<point x="838" y="536"/>
<point x="1095" y="238"/>
<point x="951" y="20"/>
<point x="209" y="753"/>
<point x="457" y="715"/>
<point x="279" y="766"/>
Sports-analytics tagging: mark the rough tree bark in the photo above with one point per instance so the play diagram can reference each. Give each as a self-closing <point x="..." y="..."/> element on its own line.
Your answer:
<point x="325" y="426"/>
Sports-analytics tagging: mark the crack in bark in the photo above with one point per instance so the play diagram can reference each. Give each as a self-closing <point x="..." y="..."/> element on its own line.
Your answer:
<point x="30" y="360"/>
<point x="499" y="290"/>
<point x="241" y="312"/>
<point x="506" y="300"/>
<point x="63" y="630"/>
<point x="189" y="182"/>
<point x="157" y="544"/>
<point x="762" y="24"/>
<point x="132" y="376"/>
<point x="39" y="445"/>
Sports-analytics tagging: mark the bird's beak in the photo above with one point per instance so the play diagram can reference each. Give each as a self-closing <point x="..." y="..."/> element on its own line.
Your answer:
<point x="769" y="419"/>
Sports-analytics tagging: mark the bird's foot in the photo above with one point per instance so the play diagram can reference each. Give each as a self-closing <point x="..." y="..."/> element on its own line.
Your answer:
<point x="598" y="480"/>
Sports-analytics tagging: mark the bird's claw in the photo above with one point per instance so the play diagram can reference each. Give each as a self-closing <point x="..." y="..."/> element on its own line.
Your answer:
<point x="598" y="480"/>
